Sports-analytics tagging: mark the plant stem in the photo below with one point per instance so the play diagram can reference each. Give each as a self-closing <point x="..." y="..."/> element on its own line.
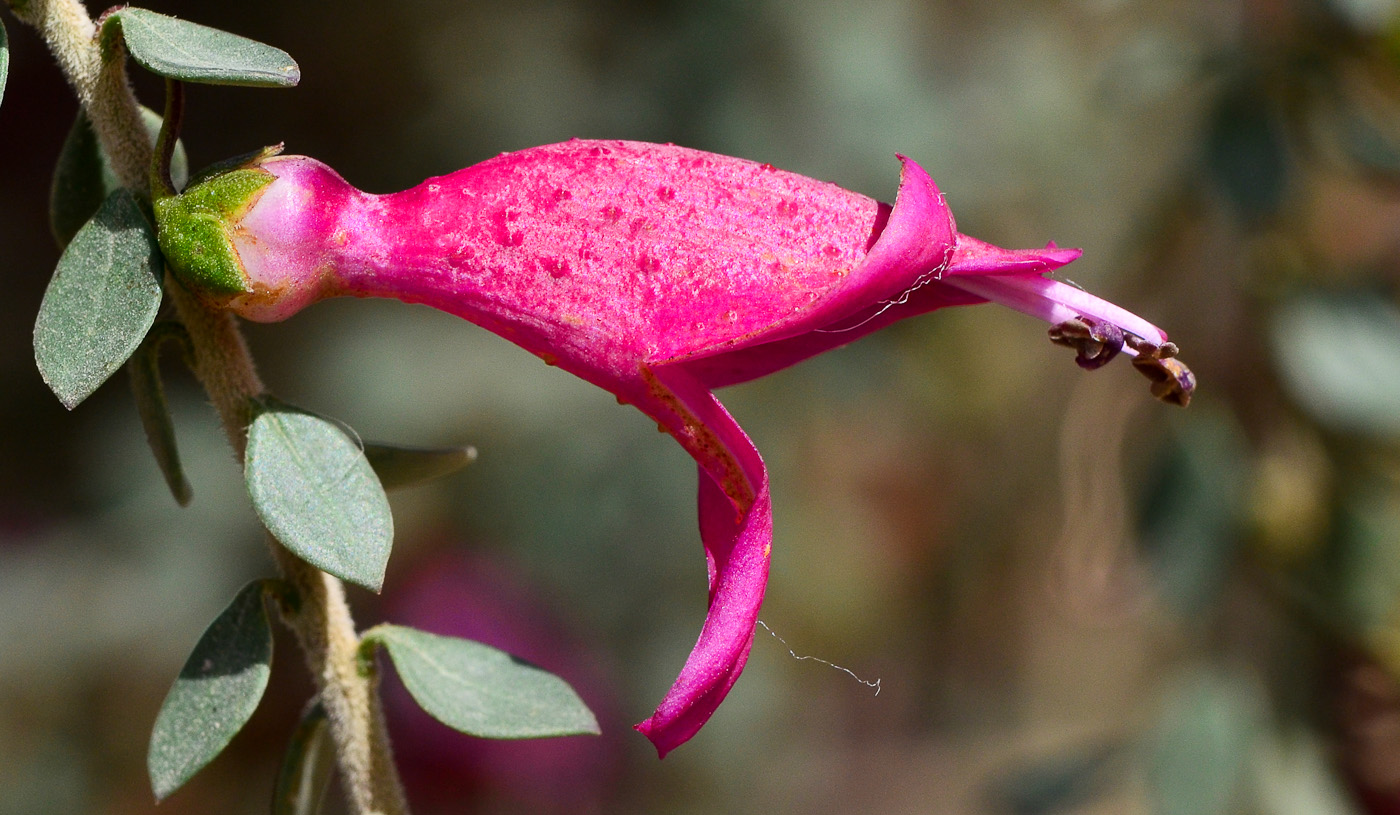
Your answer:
<point x="162" y="185"/>
<point x="322" y="622"/>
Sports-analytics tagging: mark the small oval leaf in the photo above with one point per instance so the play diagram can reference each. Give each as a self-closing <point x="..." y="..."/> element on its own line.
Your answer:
<point x="482" y="691"/>
<point x="307" y="766"/>
<point x="144" y="372"/>
<point x="405" y="466"/>
<point x="316" y="493"/>
<point x="196" y="53"/>
<point x="215" y="694"/>
<point x="101" y="302"/>
<point x="84" y="178"/>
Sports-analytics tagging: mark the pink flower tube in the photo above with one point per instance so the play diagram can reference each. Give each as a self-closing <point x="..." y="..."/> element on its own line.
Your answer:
<point x="656" y="272"/>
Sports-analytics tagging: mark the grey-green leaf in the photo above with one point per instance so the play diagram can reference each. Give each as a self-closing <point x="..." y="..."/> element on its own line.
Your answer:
<point x="1199" y="759"/>
<point x="315" y="491"/>
<point x="196" y="53"/>
<point x="482" y="691"/>
<point x="405" y="466"/>
<point x="4" y="59"/>
<point x="307" y="766"/>
<point x="84" y="178"/>
<point x="1337" y="355"/>
<point x="215" y="694"/>
<point x="101" y="302"/>
<point x="144" y="372"/>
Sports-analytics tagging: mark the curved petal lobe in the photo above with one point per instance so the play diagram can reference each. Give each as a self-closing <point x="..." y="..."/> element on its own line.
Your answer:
<point x="736" y="529"/>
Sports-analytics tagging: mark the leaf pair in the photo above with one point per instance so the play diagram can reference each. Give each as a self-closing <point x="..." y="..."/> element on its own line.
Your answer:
<point x="471" y="687"/>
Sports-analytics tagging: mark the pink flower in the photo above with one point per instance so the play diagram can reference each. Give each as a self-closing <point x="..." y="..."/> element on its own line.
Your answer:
<point x="658" y="273"/>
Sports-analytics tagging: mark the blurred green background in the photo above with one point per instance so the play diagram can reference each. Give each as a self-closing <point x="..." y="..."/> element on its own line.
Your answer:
<point x="1076" y="600"/>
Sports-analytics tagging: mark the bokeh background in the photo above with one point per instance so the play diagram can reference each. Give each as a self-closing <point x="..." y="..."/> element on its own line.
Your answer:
<point x="1075" y="599"/>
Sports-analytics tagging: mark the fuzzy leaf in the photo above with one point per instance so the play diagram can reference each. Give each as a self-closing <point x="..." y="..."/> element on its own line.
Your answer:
<point x="84" y="178"/>
<point x="101" y="302"/>
<point x="144" y="372"/>
<point x="306" y="766"/>
<point x="482" y="691"/>
<point x="196" y="53"/>
<point x="405" y="466"/>
<point x="315" y="491"/>
<point x="215" y="694"/>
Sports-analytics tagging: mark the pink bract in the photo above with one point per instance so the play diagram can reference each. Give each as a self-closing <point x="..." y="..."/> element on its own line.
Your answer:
<point x="660" y="273"/>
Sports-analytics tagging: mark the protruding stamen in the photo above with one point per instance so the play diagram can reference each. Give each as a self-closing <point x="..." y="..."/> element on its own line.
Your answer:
<point x="1095" y="342"/>
<point x="1172" y="381"/>
<point x="1149" y="349"/>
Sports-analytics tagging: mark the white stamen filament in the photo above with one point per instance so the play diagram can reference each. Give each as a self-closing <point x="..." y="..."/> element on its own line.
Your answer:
<point x="1054" y="302"/>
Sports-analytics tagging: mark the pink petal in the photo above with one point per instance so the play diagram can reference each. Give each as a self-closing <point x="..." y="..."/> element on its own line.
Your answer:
<point x="913" y="243"/>
<point x="736" y="529"/>
<point x="971" y="257"/>
<point x="974" y="257"/>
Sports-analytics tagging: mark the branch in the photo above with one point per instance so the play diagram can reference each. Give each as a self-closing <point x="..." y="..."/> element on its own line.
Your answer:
<point x="322" y="621"/>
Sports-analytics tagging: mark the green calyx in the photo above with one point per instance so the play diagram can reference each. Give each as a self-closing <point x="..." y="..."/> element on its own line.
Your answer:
<point x="194" y="230"/>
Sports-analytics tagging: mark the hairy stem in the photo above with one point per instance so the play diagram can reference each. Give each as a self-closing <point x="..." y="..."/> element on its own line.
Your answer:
<point x="101" y="86"/>
<point x="322" y="621"/>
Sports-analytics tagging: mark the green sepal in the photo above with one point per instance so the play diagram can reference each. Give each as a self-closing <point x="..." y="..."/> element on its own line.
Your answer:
<point x="307" y="766"/>
<point x="144" y="371"/>
<point x="193" y="229"/>
<point x="242" y="161"/>
<point x="216" y="692"/>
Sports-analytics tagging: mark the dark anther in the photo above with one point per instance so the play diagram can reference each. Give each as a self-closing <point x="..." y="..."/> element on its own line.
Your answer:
<point x="1172" y="381"/>
<point x="1095" y="342"/>
<point x="1149" y="349"/>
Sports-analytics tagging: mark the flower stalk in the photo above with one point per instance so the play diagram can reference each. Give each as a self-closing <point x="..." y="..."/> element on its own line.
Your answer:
<point x="221" y="362"/>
